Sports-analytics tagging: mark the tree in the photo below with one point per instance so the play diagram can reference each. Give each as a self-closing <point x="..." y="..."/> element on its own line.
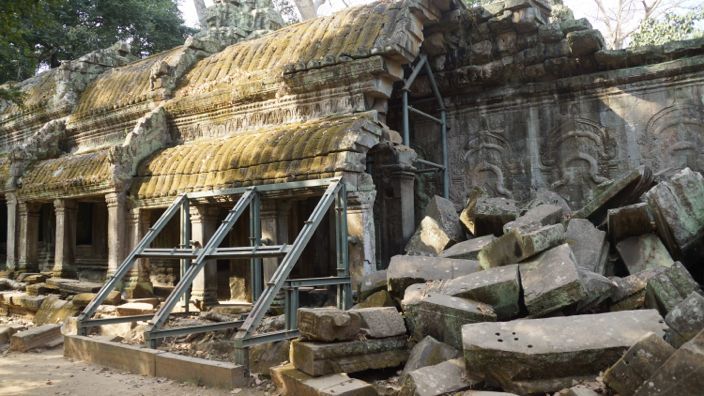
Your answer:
<point x="42" y="33"/>
<point x="670" y="27"/>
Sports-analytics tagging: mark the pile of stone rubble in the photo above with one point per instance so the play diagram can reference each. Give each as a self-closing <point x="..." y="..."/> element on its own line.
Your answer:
<point x="603" y="300"/>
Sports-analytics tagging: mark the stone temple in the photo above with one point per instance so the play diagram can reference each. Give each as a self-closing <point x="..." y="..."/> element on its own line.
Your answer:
<point x="105" y="142"/>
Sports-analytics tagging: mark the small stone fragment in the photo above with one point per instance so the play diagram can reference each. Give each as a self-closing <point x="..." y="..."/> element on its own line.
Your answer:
<point x="428" y="352"/>
<point x="686" y="320"/>
<point x="516" y="245"/>
<point x="588" y="244"/>
<point x="380" y="322"/>
<point x="442" y="378"/>
<point x="468" y="249"/>
<point x="328" y="324"/>
<point x="537" y="217"/>
<point x="669" y="287"/>
<point x="644" y="252"/>
<point x="407" y="270"/>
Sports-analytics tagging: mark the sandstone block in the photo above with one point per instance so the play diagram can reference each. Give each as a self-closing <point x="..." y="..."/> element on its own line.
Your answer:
<point x="6" y="333"/>
<point x="293" y="382"/>
<point x="372" y="283"/>
<point x="550" y="33"/>
<point x="669" y="287"/>
<point x="574" y="25"/>
<point x="685" y="320"/>
<point x="381" y="298"/>
<point x="585" y="42"/>
<point x="468" y="249"/>
<point x="429" y="352"/>
<point x="517" y="245"/>
<point x="644" y="252"/>
<point x="328" y="324"/>
<point x="551" y="281"/>
<point x="443" y="378"/>
<point x="134" y="308"/>
<point x="263" y="357"/>
<point x="380" y="322"/>
<point x="102" y="351"/>
<point x="407" y="270"/>
<point x="537" y="217"/>
<point x="598" y="290"/>
<point x="54" y="310"/>
<point x="629" y="221"/>
<point x="439" y="229"/>
<point x="554" y="351"/>
<point x="484" y="216"/>
<point x="198" y="371"/>
<point x="637" y="364"/>
<point x="37" y="337"/>
<point x="588" y="244"/>
<point x="318" y="359"/>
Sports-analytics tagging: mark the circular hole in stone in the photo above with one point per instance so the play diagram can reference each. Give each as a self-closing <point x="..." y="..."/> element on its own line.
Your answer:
<point x="530" y="346"/>
<point x="513" y="332"/>
<point x="661" y="321"/>
<point x="500" y="340"/>
<point x="515" y="338"/>
<point x="498" y="334"/>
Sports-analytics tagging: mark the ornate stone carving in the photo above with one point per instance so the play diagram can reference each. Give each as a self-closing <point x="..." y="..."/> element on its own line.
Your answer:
<point x="487" y="160"/>
<point x="576" y="156"/>
<point x="674" y="137"/>
<point x="45" y="143"/>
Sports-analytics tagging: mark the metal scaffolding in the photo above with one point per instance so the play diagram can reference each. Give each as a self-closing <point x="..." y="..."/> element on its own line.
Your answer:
<point x="442" y="121"/>
<point x="193" y="260"/>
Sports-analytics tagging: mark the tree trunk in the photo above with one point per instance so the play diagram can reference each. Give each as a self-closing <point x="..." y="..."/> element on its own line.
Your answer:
<point x="200" y="11"/>
<point x="308" y="8"/>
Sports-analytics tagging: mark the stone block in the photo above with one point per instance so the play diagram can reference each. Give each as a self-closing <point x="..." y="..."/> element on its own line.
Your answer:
<point x="328" y="324"/>
<point x="585" y="42"/>
<point x="42" y="288"/>
<point x="101" y="351"/>
<point x="37" y="337"/>
<point x="316" y="359"/>
<point x="25" y="301"/>
<point x="439" y="229"/>
<point x="442" y="317"/>
<point x="499" y="287"/>
<point x="481" y="52"/>
<point x="202" y="372"/>
<point x="685" y="320"/>
<point x="629" y="221"/>
<point x="551" y="282"/>
<point x="468" y="249"/>
<point x="589" y="245"/>
<point x="517" y="245"/>
<point x="6" y="333"/>
<point x="681" y="374"/>
<point x="537" y="217"/>
<point x="372" y="283"/>
<point x="545" y="355"/>
<point x="598" y="289"/>
<point x="379" y="299"/>
<point x="404" y="271"/>
<point x="54" y="310"/>
<point x="484" y="216"/>
<point x="429" y="352"/>
<point x="574" y="25"/>
<point x="380" y="322"/>
<point x="669" y="287"/>
<point x="292" y="382"/>
<point x="643" y="252"/>
<point x="485" y="393"/>
<point x="135" y="308"/>
<point x="81" y="300"/>
<point x="440" y="379"/>
<point x="263" y="357"/>
<point x="638" y="364"/>
<point x="678" y="205"/>
<point x="550" y="33"/>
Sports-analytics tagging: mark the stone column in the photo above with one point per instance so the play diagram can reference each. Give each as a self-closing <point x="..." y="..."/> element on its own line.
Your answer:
<point x="405" y="181"/>
<point x="204" y="222"/>
<point x="270" y="236"/>
<point x="360" y="234"/>
<point x="11" y="263"/>
<point x="117" y="209"/>
<point x="65" y="242"/>
<point x="28" y="236"/>
<point x="138" y="284"/>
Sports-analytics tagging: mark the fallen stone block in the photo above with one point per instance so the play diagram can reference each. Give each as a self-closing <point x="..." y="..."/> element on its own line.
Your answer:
<point x="579" y="390"/>
<point x="42" y="289"/>
<point x="685" y="320"/>
<point x="404" y="271"/>
<point x="27" y="302"/>
<point x="468" y="249"/>
<point x="638" y="364"/>
<point x="442" y="317"/>
<point x="585" y="42"/>
<point x="589" y="245"/>
<point x="135" y="308"/>
<point x="74" y="286"/>
<point x="429" y="352"/>
<point x="643" y="252"/>
<point x="372" y="283"/>
<point x="202" y="372"/>
<point x="11" y="284"/>
<point x="629" y="221"/>
<point x="328" y="324"/>
<point x="316" y="359"/>
<point x="537" y="217"/>
<point x="630" y="291"/>
<point x="292" y="382"/>
<point x="598" y="290"/>
<point x="381" y="298"/>
<point x="31" y="279"/>
<point x="6" y="332"/>
<point x="263" y="357"/>
<point x="54" y="310"/>
<point x="486" y="393"/>
<point x="678" y="206"/>
<point x="485" y="216"/>
<point x="439" y="229"/>
<point x="499" y="287"/>
<point x="81" y="300"/>
<point x="551" y="282"/>
<point x="517" y="245"/>
<point x="545" y="355"/>
<point x="681" y="374"/>
<point x="380" y="322"/>
<point x="42" y="336"/>
<point x="669" y="287"/>
<point x="442" y="378"/>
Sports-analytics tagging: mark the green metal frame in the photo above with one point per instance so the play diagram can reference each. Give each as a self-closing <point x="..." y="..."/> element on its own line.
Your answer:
<point x="193" y="261"/>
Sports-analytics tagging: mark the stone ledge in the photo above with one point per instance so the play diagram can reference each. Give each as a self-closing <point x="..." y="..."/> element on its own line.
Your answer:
<point x="153" y="363"/>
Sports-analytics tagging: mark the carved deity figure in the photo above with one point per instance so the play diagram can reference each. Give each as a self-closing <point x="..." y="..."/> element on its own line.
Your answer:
<point x="487" y="156"/>
<point x="674" y="138"/>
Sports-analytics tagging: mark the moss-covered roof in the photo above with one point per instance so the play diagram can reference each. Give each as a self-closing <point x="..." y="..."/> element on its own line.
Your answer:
<point x="292" y="152"/>
<point x="68" y="175"/>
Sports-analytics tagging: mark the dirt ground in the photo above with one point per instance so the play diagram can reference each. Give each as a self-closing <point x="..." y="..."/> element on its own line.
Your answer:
<point x="48" y="373"/>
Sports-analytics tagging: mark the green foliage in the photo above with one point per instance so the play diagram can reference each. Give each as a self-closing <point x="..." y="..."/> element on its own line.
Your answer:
<point x="35" y="33"/>
<point x="671" y="27"/>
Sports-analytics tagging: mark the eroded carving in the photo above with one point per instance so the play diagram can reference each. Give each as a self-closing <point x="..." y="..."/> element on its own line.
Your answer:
<point x="487" y="158"/>
<point x="674" y="138"/>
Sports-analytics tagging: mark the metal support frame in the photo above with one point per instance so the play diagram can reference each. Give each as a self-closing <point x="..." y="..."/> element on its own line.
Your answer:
<point x="442" y="121"/>
<point x="333" y="200"/>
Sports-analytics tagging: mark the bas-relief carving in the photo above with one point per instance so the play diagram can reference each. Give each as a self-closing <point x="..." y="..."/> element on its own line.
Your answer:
<point x="674" y="138"/>
<point x="576" y="156"/>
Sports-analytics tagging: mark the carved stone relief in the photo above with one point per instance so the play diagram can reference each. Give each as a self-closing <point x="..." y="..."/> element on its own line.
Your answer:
<point x="674" y="138"/>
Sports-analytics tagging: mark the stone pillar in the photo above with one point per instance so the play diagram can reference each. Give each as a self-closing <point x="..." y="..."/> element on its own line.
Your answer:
<point x="11" y="263"/>
<point x="138" y="283"/>
<point x="405" y="185"/>
<point x="275" y="218"/>
<point x="117" y="209"/>
<point x="28" y="236"/>
<point x="360" y="234"/>
<point x="65" y="242"/>
<point x="204" y="223"/>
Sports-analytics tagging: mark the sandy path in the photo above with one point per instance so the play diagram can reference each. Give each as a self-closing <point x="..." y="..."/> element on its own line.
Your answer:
<point x="48" y="373"/>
